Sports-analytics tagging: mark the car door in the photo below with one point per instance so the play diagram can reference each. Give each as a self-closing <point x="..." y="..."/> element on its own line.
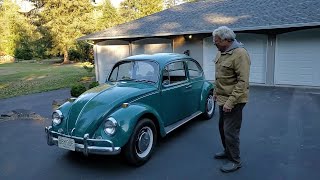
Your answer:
<point x="195" y="76"/>
<point x="175" y="87"/>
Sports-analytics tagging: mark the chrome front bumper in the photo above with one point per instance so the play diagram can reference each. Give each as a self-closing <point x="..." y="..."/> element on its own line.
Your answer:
<point x="83" y="144"/>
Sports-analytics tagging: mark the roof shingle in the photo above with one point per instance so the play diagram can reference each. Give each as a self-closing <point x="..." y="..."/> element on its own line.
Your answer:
<point x="205" y="16"/>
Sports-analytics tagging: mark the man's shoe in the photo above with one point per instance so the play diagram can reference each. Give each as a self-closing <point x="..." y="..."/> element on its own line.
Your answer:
<point x="230" y="167"/>
<point x="221" y="155"/>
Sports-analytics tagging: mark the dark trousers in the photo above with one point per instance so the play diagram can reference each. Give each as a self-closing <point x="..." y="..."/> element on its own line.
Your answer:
<point x="229" y="127"/>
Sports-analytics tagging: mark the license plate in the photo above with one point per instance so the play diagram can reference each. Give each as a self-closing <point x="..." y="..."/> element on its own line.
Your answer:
<point x="66" y="143"/>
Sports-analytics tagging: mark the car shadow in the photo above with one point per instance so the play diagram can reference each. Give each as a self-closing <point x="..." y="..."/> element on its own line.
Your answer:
<point x="102" y="162"/>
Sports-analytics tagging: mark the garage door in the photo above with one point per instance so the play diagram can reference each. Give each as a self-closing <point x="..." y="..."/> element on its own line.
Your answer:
<point x="297" y="60"/>
<point x="151" y="46"/>
<point x="107" y="55"/>
<point x="256" y="45"/>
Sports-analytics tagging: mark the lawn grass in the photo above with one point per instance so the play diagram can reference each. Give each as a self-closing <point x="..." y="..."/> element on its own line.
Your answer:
<point x="26" y="78"/>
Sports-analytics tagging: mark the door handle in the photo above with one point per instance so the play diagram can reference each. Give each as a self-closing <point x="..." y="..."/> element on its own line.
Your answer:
<point x="188" y="87"/>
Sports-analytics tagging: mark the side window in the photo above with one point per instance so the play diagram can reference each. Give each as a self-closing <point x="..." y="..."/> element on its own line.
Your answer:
<point x="174" y="73"/>
<point x="194" y="70"/>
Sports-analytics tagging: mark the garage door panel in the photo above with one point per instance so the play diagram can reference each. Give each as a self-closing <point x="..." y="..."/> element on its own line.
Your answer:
<point x="297" y="59"/>
<point x="151" y="48"/>
<point x="256" y="46"/>
<point x="107" y="56"/>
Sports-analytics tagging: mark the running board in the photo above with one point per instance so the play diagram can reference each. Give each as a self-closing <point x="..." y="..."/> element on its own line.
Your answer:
<point x="175" y="125"/>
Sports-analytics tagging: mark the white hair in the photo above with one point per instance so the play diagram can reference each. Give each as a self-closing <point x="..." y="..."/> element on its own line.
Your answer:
<point x="224" y="33"/>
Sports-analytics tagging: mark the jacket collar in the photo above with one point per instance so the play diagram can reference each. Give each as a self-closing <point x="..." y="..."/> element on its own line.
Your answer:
<point x="235" y="44"/>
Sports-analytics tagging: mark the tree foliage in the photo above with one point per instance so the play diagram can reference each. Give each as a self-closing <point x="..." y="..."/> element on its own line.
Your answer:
<point x="16" y="31"/>
<point x="134" y="9"/>
<point x="66" y="21"/>
<point x="53" y="26"/>
<point x="108" y="16"/>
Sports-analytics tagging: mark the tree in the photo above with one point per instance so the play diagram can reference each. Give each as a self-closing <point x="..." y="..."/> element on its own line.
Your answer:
<point x="109" y="17"/>
<point x="134" y="9"/>
<point x="66" y="21"/>
<point x="16" y="32"/>
<point x="170" y="3"/>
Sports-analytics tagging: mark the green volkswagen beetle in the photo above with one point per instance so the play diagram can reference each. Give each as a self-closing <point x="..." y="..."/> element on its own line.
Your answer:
<point x="144" y="98"/>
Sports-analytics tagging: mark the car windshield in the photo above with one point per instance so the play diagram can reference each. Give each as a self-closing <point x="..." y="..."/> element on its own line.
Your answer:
<point x="142" y="71"/>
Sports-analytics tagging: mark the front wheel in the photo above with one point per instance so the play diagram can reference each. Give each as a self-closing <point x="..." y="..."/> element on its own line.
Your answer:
<point x="210" y="107"/>
<point x="141" y="144"/>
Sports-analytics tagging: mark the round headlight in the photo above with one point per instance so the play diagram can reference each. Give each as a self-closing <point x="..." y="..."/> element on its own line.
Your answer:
<point x="110" y="126"/>
<point x="56" y="117"/>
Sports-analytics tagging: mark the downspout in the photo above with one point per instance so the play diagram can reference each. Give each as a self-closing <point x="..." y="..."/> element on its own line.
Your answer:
<point x="130" y="48"/>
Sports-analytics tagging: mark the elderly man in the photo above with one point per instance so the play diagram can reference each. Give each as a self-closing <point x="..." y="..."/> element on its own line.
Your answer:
<point x="231" y="93"/>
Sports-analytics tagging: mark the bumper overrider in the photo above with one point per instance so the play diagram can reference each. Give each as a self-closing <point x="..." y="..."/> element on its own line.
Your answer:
<point x="84" y="145"/>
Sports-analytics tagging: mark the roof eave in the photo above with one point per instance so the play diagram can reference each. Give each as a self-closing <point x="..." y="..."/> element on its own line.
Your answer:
<point x="283" y="26"/>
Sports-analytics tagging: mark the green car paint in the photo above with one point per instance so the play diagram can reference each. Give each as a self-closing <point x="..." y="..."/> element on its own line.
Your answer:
<point x="164" y="104"/>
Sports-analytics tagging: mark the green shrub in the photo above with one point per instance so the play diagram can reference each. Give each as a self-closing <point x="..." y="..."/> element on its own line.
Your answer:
<point x="93" y="84"/>
<point x="23" y="52"/>
<point x="74" y="55"/>
<point x="77" y="90"/>
<point x="88" y="66"/>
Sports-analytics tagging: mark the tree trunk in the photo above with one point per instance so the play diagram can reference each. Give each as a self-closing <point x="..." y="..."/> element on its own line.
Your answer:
<point x="65" y="56"/>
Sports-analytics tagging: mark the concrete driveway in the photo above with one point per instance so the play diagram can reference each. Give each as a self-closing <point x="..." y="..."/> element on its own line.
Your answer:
<point x="280" y="139"/>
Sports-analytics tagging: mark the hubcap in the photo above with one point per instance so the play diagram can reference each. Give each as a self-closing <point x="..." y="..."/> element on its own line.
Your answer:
<point x="144" y="142"/>
<point x="210" y="104"/>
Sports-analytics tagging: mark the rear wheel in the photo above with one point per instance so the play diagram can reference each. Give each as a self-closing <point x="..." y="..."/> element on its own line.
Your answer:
<point x="141" y="144"/>
<point x="210" y="107"/>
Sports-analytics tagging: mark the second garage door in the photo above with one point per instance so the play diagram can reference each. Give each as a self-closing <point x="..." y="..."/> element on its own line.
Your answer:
<point x="297" y="60"/>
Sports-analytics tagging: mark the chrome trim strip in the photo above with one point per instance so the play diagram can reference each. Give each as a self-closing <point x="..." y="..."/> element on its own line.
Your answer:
<point x="90" y="101"/>
<point x="143" y="96"/>
<point x="85" y="148"/>
<point x="174" y="126"/>
<point x="72" y="131"/>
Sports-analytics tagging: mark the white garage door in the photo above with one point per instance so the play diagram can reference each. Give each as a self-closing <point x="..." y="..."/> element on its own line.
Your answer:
<point x="151" y="46"/>
<point x="107" y="56"/>
<point x="256" y="45"/>
<point x="297" y="60"/>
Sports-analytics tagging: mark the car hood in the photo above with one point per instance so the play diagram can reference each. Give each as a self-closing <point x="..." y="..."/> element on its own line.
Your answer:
<point x="88" y="110"/>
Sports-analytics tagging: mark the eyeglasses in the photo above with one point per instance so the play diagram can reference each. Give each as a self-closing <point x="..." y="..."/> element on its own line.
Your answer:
<point x="220" y="41"/>
<point x="217" y="42"/>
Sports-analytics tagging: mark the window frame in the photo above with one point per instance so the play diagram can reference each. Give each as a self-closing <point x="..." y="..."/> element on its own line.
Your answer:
<point x="199" y="67"/>
<point x="176" y="83"/>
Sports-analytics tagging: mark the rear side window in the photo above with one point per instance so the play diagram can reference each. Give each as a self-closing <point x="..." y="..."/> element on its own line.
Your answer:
<point x="174" y="73"/>
<point x="194" y="70"/>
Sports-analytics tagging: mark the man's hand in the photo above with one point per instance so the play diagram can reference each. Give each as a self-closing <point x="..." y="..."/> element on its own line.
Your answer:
<point x="226" y="108"/>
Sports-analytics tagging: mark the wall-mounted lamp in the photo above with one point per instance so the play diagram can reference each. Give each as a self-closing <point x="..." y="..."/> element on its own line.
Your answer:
<point x="188" y="37"/>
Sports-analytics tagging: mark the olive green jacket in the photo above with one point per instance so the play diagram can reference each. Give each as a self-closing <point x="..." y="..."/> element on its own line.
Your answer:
<point x="232" y="77"/>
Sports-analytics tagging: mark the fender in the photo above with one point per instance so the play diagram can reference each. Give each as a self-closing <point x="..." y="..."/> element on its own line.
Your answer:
<point x="127" y="119"/>
<point x="207" y="86"/>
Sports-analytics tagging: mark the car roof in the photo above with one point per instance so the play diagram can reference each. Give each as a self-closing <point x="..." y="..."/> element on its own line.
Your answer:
<point x="161" y="58"/>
